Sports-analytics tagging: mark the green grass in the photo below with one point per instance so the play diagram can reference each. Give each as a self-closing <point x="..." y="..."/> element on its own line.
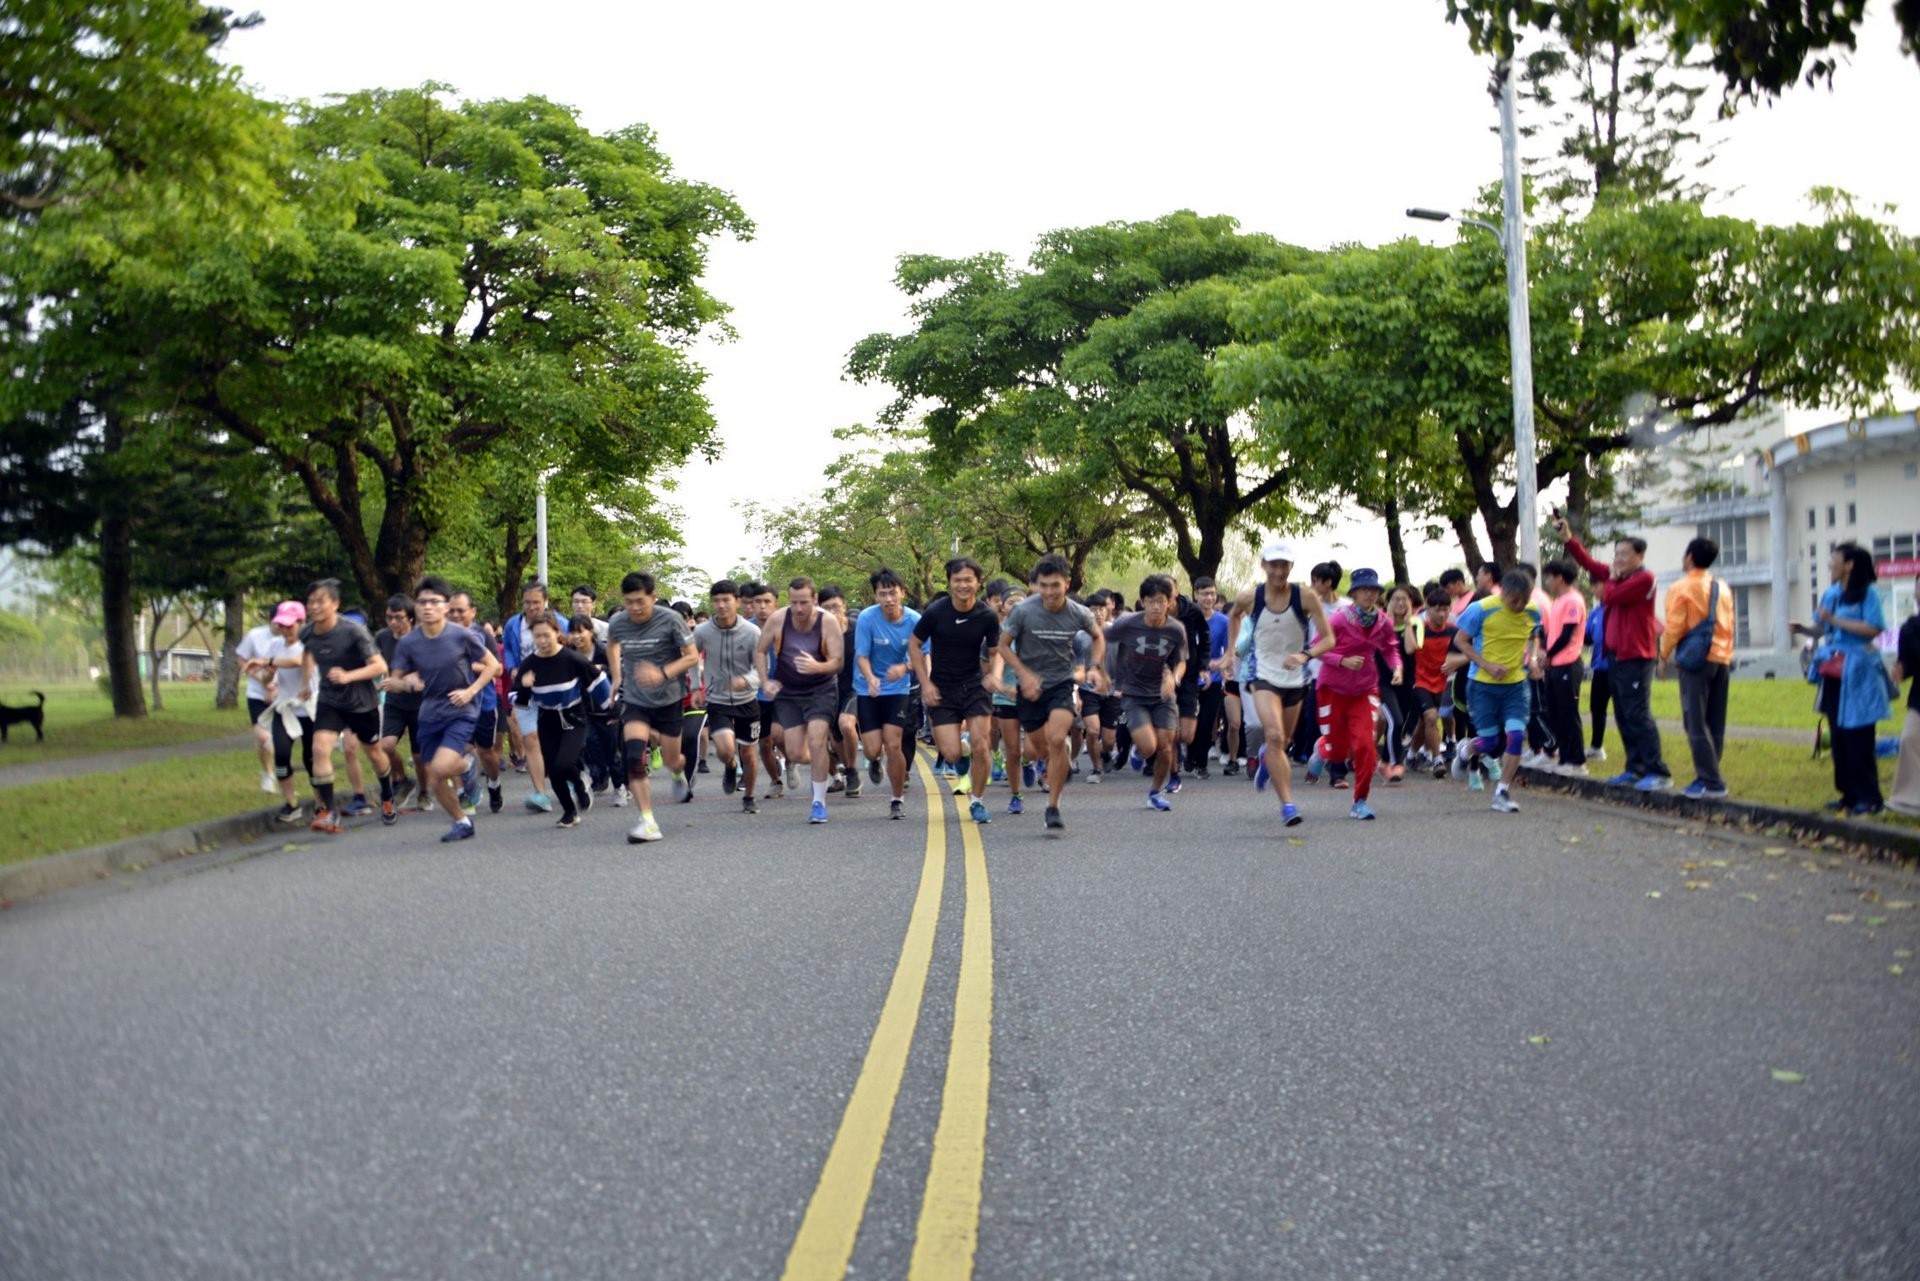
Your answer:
<point x="80" y="722"/>
<point x="1770" y="704"/>
<point x="46" y="818"/>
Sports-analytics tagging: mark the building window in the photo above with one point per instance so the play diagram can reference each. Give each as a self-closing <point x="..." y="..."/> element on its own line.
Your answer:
<point x="1850" y="514"/>
<point x="1813" y="519"/>
<point x="1730" y="536"/>
<point x="1831" y="522"/>
<point x="1911" y="471"/>
<point x="1742" y="619"/>
<point x="1847" y="481"/>
<point x="1903" y="545"/>
<point x="1883" y="549"/>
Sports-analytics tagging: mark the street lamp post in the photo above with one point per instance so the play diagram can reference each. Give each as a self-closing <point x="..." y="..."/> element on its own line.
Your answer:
<point x="1512" y="235"/>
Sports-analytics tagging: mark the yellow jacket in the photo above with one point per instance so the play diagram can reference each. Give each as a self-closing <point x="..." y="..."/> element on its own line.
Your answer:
<point x="1687" y="607"/>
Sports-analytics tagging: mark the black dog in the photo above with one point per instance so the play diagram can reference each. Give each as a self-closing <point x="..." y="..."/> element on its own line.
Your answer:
<point x="34" y="716"/>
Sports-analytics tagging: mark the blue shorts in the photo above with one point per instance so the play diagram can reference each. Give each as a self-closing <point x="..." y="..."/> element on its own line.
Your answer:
<point x="430" y="736"/>
<point x="1499" y="709"/>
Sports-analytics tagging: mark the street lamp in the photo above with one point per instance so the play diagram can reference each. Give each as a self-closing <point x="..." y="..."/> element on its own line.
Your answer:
<point x="1513" y="239"/>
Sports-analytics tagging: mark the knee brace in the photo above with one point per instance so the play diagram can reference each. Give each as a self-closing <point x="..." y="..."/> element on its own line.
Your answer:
<point x="1487" y="745"/>
<point x="638" y="754"/>
<point x="1516" y="740"/>
<point x="318" y="777"/>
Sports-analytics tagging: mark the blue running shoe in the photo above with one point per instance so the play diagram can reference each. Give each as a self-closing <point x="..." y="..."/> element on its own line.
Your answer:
<point x="1290" y="814"/>
<point x="1159" y="802"/>
<point x="1016" y="806"/>
<point x="818" y="814"/>
<point x="356" y="807"/>
<point x="978" y="812"/>
<point x="1173" y="782"/>
<point x="463" y="830"/>
<point x="1029" y="774"/>
<point x="1315" y="767"/>
<point x="1653" y="783"/>
<point x="1360" y="810"/>
<point x="1137" y="761"/>
<point x="999" y="774"/>
<point x="1625" y="778"/>
<point x="1260" y="775"/>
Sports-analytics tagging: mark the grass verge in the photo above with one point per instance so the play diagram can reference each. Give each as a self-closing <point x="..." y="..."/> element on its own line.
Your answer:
<point x="1765" y="704"/>
<point x="80" y="722"/>
<point x="47" y="818"/>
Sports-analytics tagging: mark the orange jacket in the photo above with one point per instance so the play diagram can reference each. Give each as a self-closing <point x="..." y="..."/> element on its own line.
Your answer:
<point x="1687" y="607"/>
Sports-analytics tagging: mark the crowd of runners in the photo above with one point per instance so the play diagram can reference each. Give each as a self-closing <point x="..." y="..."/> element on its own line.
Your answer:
<point x="1018" y="687"/>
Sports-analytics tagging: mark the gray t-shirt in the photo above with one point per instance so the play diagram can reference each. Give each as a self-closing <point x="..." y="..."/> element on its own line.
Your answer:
<point x="1044" y="640"/>
<point x="1142" y="655"/>
<point x="659" y="641"/>
<point x="346" y="646"/>
<point x="727" y="653"/>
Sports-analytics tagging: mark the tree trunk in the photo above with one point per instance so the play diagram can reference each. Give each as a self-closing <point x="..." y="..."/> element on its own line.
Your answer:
<point x="226" y="694"/>
<point x="117" y="612"/>
<point x="154" y="652"/>
<point x="1397" y="543"/>
<point x="1469" y="542"/>
<point x="1503" y="532"/>
<point x="516" y="556"/>
<point x="1580" y="498"/>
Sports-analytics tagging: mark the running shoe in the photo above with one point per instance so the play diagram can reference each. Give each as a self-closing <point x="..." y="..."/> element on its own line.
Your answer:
<point x="538" y="803"/>
<point x="1866" y="809"/>
<point x="356" y="807"/>
<point x="470" y="780"/>
<point x="1503" y="803"/>
<point x="1016" y="806"/>
<point x="747" y="805"/>
<point x="1315" y="767"/>
<point x="496" y="799"/>
<point x="1361" y="810"/>
<point x="1625" y="778"/>
<point x="519" y="763"/>
<point x="836" y="783"/>
<point x="1173" y="783"/>
<point x="1230" y="770"/>
<point x="469" y="807"/>
<point x="267" y="783"/>
<point x="1260" y="775"/>
<point x="461" y="831"/>
<point x="389" y="812"/>
<point x="873" y="772"/>
<point x="793" y="777"/>
<point x="568" y="820"/>
<point x="1093" y="777"/>
<point x="1054" y="822"/>
<point x="402" y="790"/>
<point x="656" y="761"/>
<point x="288" y="815"/>
<point x="583" y="799"/>
<point x="1396" y="773"/>
<point x="1159" y="802"/>
<point x="1441" y="769"/>
<point x="962" y="782"/>
<point x="1136" y="762"/>
<point x="645" y="830"/>
<point x="1653" y="783"/>
<point x="1341" y="784"/>
<point x="619" y="797"/>
<point x="853" y="784"/>
<point x="896" y="808"/>
<point x="730" y="779"/>
<point x="818" y="814"/>
<point x="1477" y="780"/>
<point x="978" y="811"/>
<point x="1290" y="814"/>
<point x="682" y="789"/>
<point x="1699" y="791"/>
<point x="1597" y="753"/>
<point x="701" y="768"/>
<point x="1029" y="774"/>
<point x="998" y="774"/>
<point x="1458" y="767"/>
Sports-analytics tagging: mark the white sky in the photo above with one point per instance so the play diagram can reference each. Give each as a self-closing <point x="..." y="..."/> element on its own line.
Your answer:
<point x="853" y="133"/>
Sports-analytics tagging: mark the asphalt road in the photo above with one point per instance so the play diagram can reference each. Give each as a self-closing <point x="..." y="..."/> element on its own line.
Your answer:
<point x="1218" y="1048"/>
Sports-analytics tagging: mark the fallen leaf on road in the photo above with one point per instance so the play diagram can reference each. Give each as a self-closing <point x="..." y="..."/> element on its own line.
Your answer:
<point x="1896" y="970"/>
<point x="1599" y="829"/>
<point x="1876" y="920"/>
<point x="1902" y="954"/>
<point x="1900" y="905"/>
<point x="1716" y="862"/>
<point x="1573" y="840"/>
<point x="1698" y="885"/>
<point x="1751" y="898"/>
<point x="1294" y="840"/>
<point x="1840" y="918"/>
<point x="1653" y="893"/>
<point x="1539" y="1040"/>
<point x="1787" y="1078"/>
<point x="1775" y="851"/>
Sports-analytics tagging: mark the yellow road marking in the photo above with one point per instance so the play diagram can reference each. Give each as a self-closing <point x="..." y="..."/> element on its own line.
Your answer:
<point x="832" y="1222"/>
<point x="949" y="1228"/>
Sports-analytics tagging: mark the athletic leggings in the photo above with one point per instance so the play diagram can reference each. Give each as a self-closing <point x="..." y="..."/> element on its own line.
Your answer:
<point x="283" y="748"/>
<point x="1402" y="714"/>
<point x="561" y="744"/>
<point x="1599" y="694"/>
<point x="690" y="726"/>
<point x="1349" y="721"/>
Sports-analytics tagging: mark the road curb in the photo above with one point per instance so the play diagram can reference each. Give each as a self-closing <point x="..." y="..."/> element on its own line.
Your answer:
<point x="1879" y="842"/>
<point x="58" y="872"/>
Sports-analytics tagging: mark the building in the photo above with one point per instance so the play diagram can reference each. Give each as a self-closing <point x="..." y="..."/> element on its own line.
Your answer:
<point x="1777" y="503"/>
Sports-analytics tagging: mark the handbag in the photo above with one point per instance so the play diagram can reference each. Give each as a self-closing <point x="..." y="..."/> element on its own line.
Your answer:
<point x="1833" y="666"/>
<point x="1691" y="653"/>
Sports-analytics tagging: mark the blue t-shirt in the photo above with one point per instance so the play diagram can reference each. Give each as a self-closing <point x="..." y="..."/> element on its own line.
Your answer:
<point x="1217" y="633"/>
<point x="445" y="663"/>
<point x="883" y="645"/>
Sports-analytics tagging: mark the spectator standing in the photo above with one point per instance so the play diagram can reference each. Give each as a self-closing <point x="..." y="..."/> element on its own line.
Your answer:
<point x="1631" y="642"/>
<point x="1566" y="625"/>
<point x="1906" y="775"/>
<point x="1851" y="677"/>
<point x="1699" y="642"/>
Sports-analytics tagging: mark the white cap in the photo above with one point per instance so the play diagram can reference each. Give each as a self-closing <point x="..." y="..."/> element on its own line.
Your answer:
<point x="1277" y="551"/>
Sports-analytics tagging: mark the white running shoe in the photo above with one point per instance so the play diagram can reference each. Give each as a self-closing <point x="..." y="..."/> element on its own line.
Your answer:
<point x="645" y="830"/>
<point x="619" y="797"/>
<point x="267" y="783"/>
<point x="1503" y="803"/>
<point x="681" y="789"/>
<point x="793" y="777"/>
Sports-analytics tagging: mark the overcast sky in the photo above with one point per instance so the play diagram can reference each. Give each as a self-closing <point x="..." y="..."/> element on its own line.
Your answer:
<point x="853" y="133"/>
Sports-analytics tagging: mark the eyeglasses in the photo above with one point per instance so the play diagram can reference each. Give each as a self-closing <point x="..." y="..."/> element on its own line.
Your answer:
<point x="429" y="600"/>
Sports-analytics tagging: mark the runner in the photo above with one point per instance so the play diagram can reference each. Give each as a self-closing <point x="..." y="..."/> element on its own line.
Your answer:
<point x="400" y="709"/>
<point x="956" y="629"/>
<point x="882" y="647"/>
<point x="765" y="601"/>
<point x="1433" y="666"/>
<point x="286" y="712"/>
<point x="1038" y="643"/>
<point x="1207" y="680"/>
<point x="1397" y="706"/>
<point x="846" y="739"/>
<point x="585" y="601"/>
<point x="602" y="746"/>
<point x="1349" y="685"/>
<point x="340" y="654"/>
<point x="693" y="708"/>
<point x="727" y="642"/>
<point x="1566" y="629"/>
<point x="1498" y="634"/>
<point x="517" y="640"/>
<point x="1282" y="617"/>
<point x="1149" y="653"/>
<point x="560" y="682"/>
<point x="799" y="656"/>
<point x="449" y="667"/>
<point x="254" y="654"/>
<point x="649" y="651"/>
<point x="486" y="733"/>
<point x="1009" y="763"/>
<point x="1094" y="728"/>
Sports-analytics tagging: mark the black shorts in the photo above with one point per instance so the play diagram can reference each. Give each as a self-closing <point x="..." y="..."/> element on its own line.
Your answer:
<point x="961" y="703"/>
<point x="365" y="726"/>
<point x="791" y="711"/>
<point x="1187" y="697"/>
<point x="397" y="723"/>
<point x="663" y="721"/>
<point x="486" y="732"/>
<point x="1428" y="701"/>
<point x="1113" y="711"/>
<point x="255" y="706"/>
<point x="877" y="713"/>
<point x="1232" y="688"/>
<point x="1290" y="695"/>
<point x="1035" y="713"/>
<point x="740" y="720"/>
<point x="767" y="723"/>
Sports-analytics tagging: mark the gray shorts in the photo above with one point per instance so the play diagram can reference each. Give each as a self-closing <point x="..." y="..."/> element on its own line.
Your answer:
<point x="1151" y="713"/>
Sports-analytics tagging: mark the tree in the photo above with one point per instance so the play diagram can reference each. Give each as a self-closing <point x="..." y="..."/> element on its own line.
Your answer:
<point x="471" y="280"/>
<point x="1097" y="355"/>
<point x="1760" y="48"/>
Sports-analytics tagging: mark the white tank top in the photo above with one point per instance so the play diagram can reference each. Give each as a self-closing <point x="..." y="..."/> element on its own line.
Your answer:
<point x="1278" y="633"/>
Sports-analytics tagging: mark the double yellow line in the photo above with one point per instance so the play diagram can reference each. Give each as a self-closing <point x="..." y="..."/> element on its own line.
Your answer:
<point x="949" y="1223"/>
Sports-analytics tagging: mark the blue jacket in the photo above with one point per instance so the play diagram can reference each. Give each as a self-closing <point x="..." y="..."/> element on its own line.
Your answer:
<point x="1596" y="635"/>
<point x="510" y="639"/>
<point x="1863" y="682"/>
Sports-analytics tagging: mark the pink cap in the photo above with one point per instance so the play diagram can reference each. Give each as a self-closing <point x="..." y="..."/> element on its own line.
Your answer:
<point x="289" y="614"/>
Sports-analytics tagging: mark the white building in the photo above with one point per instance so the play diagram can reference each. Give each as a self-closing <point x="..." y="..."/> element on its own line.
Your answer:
<point x="1778" y="503"/>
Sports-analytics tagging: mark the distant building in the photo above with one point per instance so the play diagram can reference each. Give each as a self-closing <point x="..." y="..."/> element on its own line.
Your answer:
<point x="1778" y="503"/>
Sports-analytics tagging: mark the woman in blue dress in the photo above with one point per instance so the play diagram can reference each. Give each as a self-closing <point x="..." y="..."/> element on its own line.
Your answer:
<point x="1851" y="677"/>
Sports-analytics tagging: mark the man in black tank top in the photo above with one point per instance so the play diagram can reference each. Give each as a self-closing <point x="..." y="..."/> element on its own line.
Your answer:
<point x="799" y="656"/>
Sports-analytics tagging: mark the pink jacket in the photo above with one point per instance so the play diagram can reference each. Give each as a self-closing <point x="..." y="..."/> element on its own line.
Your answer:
<point x="1349" y="638"/>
